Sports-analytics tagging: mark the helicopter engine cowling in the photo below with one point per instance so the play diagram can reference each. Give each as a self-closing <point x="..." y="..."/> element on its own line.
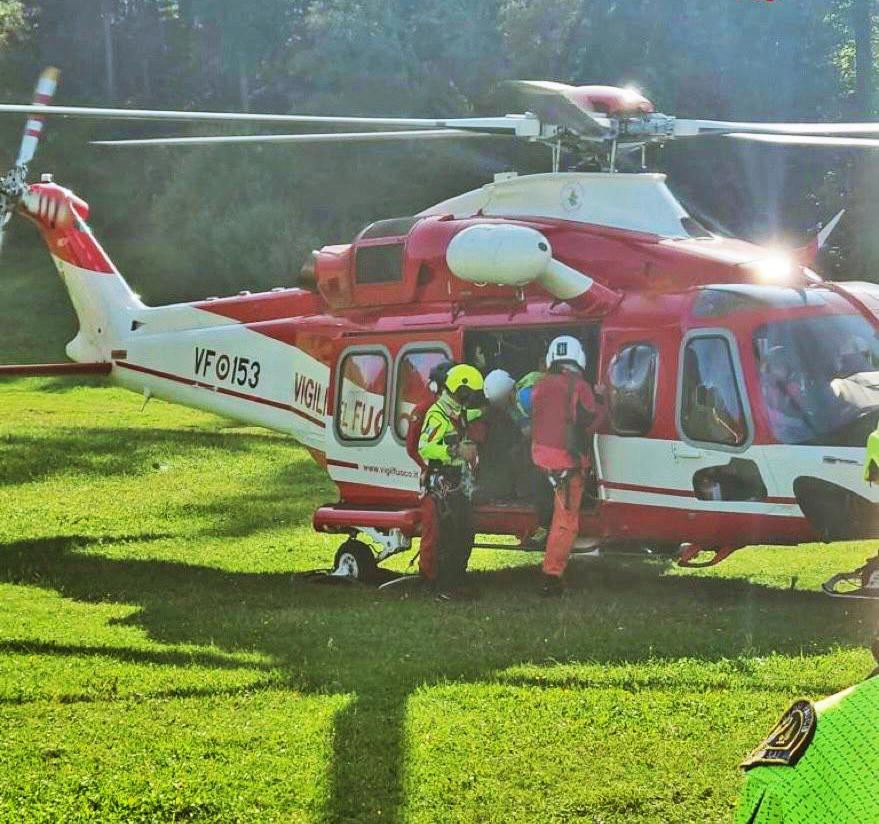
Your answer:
<point x="517" y="256"/>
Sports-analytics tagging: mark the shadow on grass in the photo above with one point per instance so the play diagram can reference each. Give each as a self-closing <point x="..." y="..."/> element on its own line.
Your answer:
<point x="113" y="452"/>
<point x="131" y="655"/>
<point x="381" y="647"/>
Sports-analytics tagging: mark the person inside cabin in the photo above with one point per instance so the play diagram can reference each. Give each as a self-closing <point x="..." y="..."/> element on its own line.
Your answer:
<point x="482" y="350"/>
<point x="783" y="393"/>
<point x="451" y="456"/>
<point x="854" y="356"/>
<point x="513" y="399"/>
<point x="565" y="414"/>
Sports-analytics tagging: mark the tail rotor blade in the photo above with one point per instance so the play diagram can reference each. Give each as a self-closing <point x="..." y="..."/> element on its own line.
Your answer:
<point x="43" y="95"/>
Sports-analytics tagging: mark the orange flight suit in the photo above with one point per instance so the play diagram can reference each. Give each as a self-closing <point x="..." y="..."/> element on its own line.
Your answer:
<point x="560" y="401"/>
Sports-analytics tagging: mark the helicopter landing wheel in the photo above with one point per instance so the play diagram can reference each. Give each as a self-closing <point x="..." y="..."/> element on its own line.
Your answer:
<point x="355" y="560"/>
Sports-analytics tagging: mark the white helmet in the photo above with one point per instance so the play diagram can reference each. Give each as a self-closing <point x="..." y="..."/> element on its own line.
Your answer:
<point x="565" y="349"/>
<point x="498" y="385"/>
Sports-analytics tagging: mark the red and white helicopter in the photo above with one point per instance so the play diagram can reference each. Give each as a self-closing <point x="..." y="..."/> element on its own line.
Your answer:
<point x="741" y="385"/>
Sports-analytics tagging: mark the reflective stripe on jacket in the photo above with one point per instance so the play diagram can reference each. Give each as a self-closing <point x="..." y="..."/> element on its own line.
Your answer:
<point x="444" y="418"/>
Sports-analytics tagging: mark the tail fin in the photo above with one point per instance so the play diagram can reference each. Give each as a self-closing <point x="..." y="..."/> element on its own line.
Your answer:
<point x="806" y="255"/>
<point x="101" y="298"/>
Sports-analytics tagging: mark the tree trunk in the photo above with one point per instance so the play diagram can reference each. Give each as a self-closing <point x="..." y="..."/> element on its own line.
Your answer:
<point x="863" y="25"/>
<point x="243" y="83"/>
<point x="109" y="57"/>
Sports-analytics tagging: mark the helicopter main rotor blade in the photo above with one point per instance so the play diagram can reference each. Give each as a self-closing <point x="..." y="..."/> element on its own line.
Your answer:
<point x="698" y="128"/>
<point x="98" y="113"/>
<point x="552" y="103"/>
<point x="340" y="137"/>
<point x="808" y="140"/>
<point x="522" y="125"/>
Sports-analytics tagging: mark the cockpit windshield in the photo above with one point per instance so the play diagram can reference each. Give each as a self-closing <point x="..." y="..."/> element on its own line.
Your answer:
<point x="819" y="378"/>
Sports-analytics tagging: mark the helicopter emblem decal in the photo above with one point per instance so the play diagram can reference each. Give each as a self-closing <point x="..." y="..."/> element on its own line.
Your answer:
<point x="572" y="197"/>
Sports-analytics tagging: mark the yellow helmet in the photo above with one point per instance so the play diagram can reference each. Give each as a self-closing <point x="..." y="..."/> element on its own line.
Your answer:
<point x="464" y="375"/>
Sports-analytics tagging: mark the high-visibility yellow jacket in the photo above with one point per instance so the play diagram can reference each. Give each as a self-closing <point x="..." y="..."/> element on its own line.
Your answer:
<point x="444" y="418"/>
<point x="871" y="465"/>
<point x="836" y="777"/>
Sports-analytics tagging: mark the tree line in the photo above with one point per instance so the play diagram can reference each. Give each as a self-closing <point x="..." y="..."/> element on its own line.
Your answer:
<point x="188" y="222"/>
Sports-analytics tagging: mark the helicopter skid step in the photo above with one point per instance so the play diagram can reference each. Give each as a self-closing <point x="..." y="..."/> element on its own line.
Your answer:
<point x="865" y="581"/>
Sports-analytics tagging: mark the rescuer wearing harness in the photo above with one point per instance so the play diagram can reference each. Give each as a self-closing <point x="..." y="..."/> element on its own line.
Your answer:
<point x="820" y="764"/>
<point x="564" y="416"/>
<point x="515" y="399"/>
<point x="451" y="458"/>
<point x="436" y="380"/>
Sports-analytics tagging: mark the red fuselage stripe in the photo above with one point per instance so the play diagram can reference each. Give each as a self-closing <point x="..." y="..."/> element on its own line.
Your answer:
<point x="343" y="464"/>
<point x="223" y="391"/>
<point x="681" y="493"/>
<point x="658" y="490"/>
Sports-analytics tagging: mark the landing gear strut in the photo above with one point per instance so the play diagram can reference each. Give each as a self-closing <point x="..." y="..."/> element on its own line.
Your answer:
<point x="862" y="583"/>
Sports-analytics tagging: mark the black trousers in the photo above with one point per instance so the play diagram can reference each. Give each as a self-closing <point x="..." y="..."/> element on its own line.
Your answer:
<point x="454" y="538"/>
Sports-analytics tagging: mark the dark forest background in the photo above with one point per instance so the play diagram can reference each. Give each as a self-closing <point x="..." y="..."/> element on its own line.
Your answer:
<point x="182" y="223"/>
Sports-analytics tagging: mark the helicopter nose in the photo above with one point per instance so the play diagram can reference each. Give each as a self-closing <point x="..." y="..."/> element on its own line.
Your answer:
<point x="836" y="513"/>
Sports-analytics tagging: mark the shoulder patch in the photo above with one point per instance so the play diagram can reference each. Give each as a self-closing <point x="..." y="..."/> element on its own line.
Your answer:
<point x="789" y="739"/>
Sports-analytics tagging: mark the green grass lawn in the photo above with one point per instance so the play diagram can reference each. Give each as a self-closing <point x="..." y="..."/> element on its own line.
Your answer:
<point x="163" y="656"/>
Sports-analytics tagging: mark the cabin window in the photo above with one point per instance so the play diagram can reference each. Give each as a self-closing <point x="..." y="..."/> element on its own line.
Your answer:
<point x="711" y="402"/>
<point x="379" y="264"/>
<point x="632" y="384"/>
<point x="413" y="376"/>
<point x="363" y="385"/>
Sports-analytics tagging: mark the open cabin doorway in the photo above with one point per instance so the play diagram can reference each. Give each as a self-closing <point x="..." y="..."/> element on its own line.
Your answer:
<point x="507" y="475"/>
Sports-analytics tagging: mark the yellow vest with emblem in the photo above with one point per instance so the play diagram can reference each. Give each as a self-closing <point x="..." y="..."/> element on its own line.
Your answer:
<point x="820" y="765"/>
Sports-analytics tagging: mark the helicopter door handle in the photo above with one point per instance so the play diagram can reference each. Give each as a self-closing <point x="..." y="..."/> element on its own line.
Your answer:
<point x="832" y="459"/>
<point x="682" y="451"/>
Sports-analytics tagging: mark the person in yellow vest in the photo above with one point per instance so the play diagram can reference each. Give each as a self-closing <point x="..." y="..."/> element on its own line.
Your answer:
<point x="820" y="764"/>
<point x="451" y="458"/>
<point x="862" y="583"/>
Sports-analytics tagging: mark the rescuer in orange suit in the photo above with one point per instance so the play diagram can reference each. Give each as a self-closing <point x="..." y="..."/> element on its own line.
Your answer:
<point x="564" y="415"/>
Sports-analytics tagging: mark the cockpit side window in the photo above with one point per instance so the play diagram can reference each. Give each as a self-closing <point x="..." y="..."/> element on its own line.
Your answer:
<point x="711" y="400"/>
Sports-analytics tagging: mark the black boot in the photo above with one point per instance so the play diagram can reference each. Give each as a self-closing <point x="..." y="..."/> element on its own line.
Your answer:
<point x="551" y="586"/>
